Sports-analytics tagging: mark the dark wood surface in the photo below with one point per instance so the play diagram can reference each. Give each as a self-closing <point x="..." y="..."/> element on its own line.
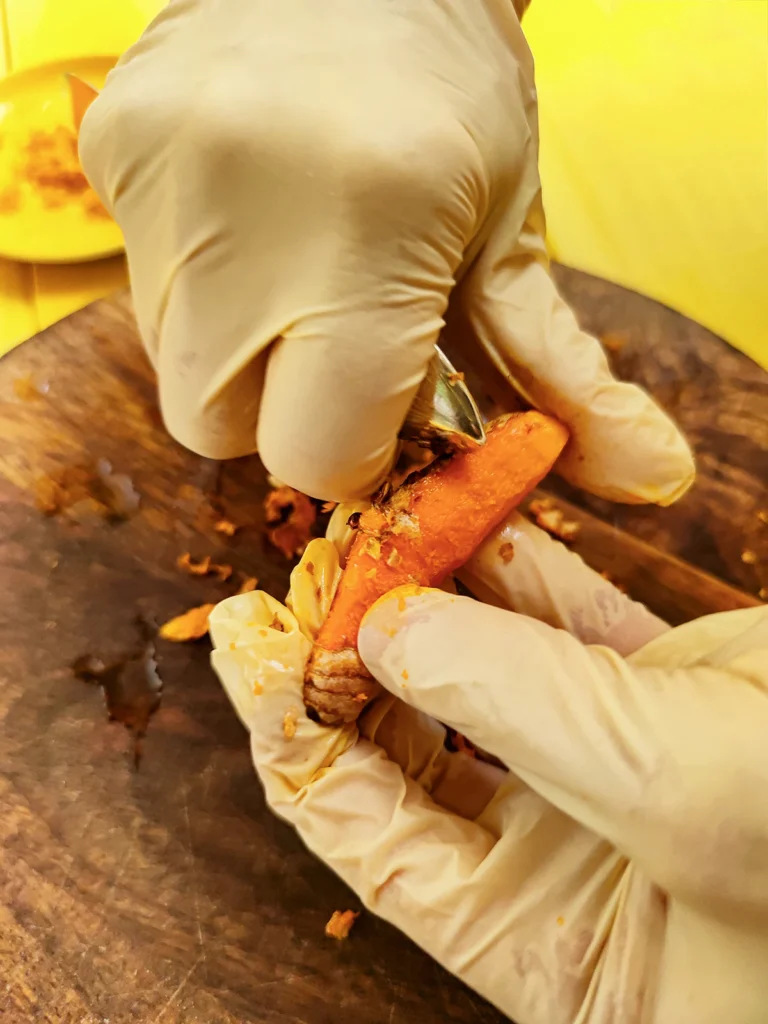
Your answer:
<point x="168" y="894"/>
<point x="719" y="397"/>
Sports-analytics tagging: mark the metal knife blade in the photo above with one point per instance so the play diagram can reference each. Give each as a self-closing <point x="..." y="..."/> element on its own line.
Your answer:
<point x="444" y="416"/>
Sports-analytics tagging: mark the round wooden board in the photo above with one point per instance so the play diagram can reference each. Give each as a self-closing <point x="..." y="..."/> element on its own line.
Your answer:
<point x="169" y="894"/>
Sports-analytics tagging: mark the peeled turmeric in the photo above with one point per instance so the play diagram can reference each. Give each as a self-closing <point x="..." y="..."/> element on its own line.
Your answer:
<point x="425" y="531"/>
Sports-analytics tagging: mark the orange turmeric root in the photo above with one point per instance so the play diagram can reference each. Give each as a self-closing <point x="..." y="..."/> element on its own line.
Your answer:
<point x="82" y="96"/>
<point x="425" y="531"/>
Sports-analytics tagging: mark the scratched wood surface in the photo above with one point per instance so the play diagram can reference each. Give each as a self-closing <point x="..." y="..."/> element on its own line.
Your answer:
<point x="168" y="894"/>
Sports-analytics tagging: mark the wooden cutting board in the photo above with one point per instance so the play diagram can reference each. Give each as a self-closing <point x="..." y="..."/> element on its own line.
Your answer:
<point x="168" y="894"/>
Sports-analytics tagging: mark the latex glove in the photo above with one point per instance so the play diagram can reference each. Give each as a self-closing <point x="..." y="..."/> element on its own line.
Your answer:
<point x="619" y="872"/>
<point x="300" y="185"/>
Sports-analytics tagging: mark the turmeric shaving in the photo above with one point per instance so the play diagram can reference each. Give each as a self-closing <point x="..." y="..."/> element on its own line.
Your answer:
<point x="205" y="567"/>
<point x="192" y="625"/>
<point x="290" y="516"/>
<point x="550" y="517"/>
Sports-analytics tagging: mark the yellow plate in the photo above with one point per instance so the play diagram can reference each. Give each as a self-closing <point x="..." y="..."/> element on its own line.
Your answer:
<point x="44" y="226"/>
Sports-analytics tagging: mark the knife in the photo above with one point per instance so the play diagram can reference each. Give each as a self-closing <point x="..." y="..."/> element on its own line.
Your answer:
<point x="444" y="415"/>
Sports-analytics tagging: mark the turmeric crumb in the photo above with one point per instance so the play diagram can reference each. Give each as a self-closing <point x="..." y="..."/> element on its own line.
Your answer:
<point x="762" y="515"/>
<point x="763" y="593"/>
<point x="507" y="552"/>
<point x="539" y="505"/>
<point x="10" y="199"/>
<point x="749" y="557"/>
<point x="551" y="518"/>
<point x="232" y="645"/>
<point x="185" y="563"/>
<point x="404" y="673"/>
<point x="406" y="525"/>
<point x="290" y="516"/>
<point x="361" y="698"/>
<point x="373" y="547"/>
<point x="401" y="603"/>
<point x="289" y="723"/>
<point x="203" y="568"/>
<point x="394" y="558"/>
<point x="225" y="527"/>
<point x="263" y="632"/>
<point x="569" y="530"/>
<point x="561" y="921"/>
<point x="340" y="924"/>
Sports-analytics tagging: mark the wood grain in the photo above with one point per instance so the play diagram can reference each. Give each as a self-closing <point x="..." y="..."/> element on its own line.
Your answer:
<point x="169" y="895"/>
<point x="718" y="396"/>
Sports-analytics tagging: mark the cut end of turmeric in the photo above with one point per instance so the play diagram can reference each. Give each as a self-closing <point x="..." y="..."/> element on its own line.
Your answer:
<point x="551" y="518"/>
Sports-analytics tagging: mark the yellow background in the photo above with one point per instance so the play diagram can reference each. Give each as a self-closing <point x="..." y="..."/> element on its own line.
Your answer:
<point x="654" y="124"/>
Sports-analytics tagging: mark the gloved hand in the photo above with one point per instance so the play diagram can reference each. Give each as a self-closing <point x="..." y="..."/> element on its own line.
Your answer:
<point x="619" y="871"/>
<point x="300" y="185"/>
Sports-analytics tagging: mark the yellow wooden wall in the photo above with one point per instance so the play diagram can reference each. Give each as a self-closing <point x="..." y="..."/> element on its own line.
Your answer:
<point x="34" y="32"/>
<point x="654" y="123"/>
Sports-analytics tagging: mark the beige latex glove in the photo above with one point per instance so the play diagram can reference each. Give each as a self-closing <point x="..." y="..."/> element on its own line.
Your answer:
<point x="300" y="185"/>
<point x="619" y="873"/>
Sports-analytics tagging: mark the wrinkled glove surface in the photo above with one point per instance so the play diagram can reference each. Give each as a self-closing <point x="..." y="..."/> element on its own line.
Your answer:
<point x="300" y="186"/>
<point x="618" y="872"/>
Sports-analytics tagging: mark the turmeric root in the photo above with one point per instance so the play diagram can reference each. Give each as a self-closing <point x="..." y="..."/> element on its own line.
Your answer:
<point x="82" y="96"/>
<point x="426" y="530"/>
